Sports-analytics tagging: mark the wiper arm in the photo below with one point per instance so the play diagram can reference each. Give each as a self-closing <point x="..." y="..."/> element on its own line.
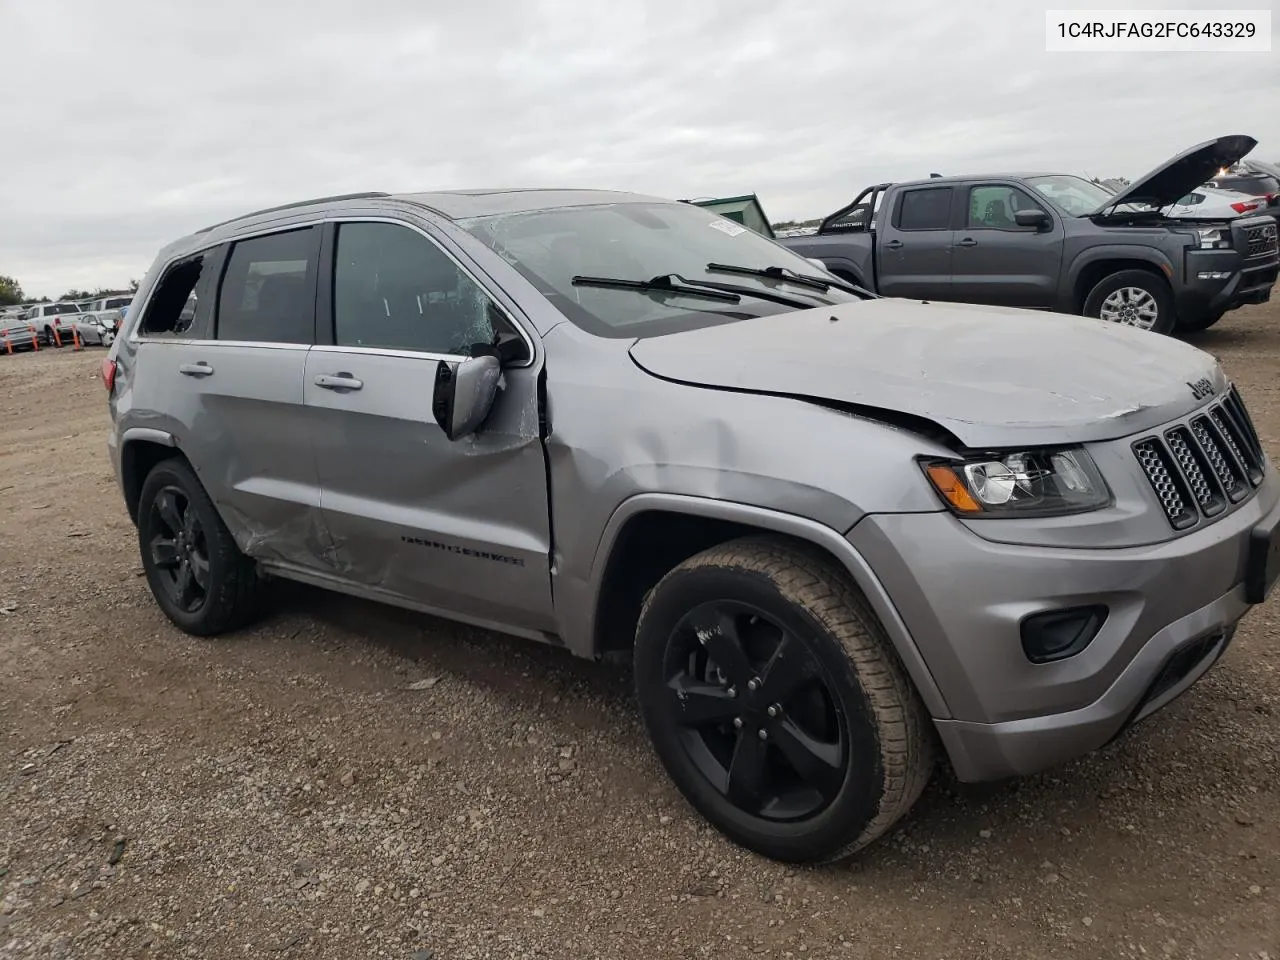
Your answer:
<point x="660" y="284"/>
<point x="788" y="276"/>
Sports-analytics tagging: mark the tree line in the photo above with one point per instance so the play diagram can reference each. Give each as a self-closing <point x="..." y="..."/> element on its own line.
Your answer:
<point x="11" y="293"/>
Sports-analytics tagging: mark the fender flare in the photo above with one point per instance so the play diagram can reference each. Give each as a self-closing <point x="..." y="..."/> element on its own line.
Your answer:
<point x="789" y="524"/>
<point x="1093" y="255"/>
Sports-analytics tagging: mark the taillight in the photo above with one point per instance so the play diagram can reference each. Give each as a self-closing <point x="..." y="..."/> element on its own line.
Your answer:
<point x="1241" y="206"/>
<point x="108" y="374"/>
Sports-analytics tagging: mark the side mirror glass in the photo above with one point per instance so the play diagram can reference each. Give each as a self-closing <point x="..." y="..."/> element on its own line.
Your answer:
<point x="1032" y="218"/>
<point x="464" y="394"/>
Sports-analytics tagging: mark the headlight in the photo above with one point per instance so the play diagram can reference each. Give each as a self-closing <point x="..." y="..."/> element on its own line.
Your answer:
<point x="1213" y="238"/>
<point x="1042" y="483"/>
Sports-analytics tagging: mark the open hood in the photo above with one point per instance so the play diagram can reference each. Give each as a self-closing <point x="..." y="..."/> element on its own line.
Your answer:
<point x="992" y="377"/>
<point x="1176" y="178"/>
<point x="1258" y="166"/>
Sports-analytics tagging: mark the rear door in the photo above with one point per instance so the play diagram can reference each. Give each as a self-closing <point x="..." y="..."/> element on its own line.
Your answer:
<point x="461" y="526"/>
<point x="996" y="261"/>
<point x="913" y="245"/>
<point x="223" y="344"/>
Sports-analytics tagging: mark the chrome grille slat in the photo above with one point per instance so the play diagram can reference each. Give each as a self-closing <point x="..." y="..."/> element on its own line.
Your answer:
<point x="1231" y="475"/>
<point x="1157" y="464"/>
<point x="1201" y="465"/>
<point x="1195" y="470"/>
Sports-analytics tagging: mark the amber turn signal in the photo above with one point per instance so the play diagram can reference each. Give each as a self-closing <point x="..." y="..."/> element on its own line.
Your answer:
<point x="949" y="485"/>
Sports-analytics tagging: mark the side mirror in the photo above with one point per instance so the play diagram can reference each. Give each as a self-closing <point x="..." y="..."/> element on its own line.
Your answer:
<point x="1032" y="218"/>
<point x="464" y="394"/>
<point x="817" y="263"/>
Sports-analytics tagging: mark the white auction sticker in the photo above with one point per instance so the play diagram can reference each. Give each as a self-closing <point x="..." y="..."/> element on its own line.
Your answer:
<point x="1157" y="31"/>
<point x="727" y="226"/>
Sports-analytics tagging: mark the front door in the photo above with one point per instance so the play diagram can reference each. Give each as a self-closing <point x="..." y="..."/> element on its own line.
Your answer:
<point x="462" y="525"/>
<point x="996" y="261"/>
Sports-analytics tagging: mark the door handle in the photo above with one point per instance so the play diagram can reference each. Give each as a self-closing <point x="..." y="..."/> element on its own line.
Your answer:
<point x="341" y="381"/>
<point x="200" y="369"/>
<point x="967" y="242"/>
<point x="894" y="245"/>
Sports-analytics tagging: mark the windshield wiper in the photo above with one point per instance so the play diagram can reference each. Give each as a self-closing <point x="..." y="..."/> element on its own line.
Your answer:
<point x="661" y="284"/>
<point x="799" y="279"/>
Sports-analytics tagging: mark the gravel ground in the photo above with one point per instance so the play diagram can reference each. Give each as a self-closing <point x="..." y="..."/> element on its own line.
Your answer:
<point x="350" y="781"/>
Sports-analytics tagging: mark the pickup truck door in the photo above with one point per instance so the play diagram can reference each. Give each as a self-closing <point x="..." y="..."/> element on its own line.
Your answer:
<point x="459" y="526"/>
<point x="996" y="261"/>
<point x="913" y="244"/>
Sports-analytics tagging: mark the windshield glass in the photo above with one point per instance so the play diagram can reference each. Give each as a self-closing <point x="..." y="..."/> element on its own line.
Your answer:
<point x="62" y="308"/>
<point x="115" y="303"/>
<point x="640" y="241"/>
<point x="1074" y="196"/>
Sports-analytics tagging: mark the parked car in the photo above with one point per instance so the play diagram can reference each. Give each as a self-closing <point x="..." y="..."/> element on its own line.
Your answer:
<point x="110" y="303"/>
<point x="1254" y="179"/>
<point x="830" y="529"/>
<point x="49" y="320"/>
<point x="1211" y="203"/>
<point x="17" y="334"/>
<point x="1058" y="242"/>
<point x="97" y="328"/>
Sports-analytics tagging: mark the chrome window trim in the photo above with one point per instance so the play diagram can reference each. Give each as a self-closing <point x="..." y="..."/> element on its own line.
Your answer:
<point x="138" y="338"/>
<point x="391" y="352"/>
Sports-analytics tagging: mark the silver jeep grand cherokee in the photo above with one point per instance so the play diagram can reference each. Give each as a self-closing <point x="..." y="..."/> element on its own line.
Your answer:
<point x="834" y="531"/>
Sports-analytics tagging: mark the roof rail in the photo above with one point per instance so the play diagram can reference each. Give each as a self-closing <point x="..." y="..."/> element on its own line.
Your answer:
<point x="367" y="195"/>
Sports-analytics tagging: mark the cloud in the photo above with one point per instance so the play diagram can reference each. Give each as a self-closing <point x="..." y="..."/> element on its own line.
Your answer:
<point x="134" y="122"/>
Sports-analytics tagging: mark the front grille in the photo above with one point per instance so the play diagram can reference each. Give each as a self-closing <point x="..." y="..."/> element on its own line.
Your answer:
<point x="1197" y="468"/>
<point x="1260" y="241"/>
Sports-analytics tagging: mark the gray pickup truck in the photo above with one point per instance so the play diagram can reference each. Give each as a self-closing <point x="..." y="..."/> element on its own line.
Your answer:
<point x="1057" y="242"/>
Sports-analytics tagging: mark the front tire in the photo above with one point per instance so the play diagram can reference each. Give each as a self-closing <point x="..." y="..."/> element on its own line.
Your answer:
<point x="1133" y="298"/>
<point x="197" y="574"/>
<point x="775" y="702"/>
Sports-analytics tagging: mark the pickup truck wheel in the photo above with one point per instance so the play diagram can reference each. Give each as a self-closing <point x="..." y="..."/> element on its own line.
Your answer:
<point x="198" y="575"/>
<point x="775" y="703"/>
<point x="1134" y="298"/>
<point x="1197" y="324"/>
<point x="49" y="339"/>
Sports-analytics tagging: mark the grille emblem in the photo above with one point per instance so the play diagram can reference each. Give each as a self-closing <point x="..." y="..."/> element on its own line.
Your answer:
<point x="1202" y="388"/>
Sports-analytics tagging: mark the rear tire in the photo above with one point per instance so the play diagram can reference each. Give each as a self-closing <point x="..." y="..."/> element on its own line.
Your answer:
<point x="1134" y="298"/>
<point x="776" y="704"/>
<point x="1200" y="323"/>
<point x="197" y="574"/>
<point x="49" y="340"/>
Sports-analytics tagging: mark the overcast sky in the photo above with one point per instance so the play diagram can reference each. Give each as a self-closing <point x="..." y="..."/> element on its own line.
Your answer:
<point x="127" y="123"/>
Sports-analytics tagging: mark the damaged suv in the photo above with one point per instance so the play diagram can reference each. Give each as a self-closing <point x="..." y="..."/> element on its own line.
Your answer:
<point x="834" y="532"/>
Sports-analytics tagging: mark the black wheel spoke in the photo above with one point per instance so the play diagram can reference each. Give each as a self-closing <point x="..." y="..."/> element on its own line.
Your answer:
<point x="790" y="666"/>
<point x="718" y="633"/>
<point x="200" y="571"/>
<point x="817" y="763"/>
<point x="185" y="580"/>
<point x="746" y="771"/>
<point x="697" y="704"/>
<point x="164" y="553"/>
<point x="167" y="505"/>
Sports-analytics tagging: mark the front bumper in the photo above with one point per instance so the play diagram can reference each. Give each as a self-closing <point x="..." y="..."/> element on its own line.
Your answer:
<point x="1244" y="284"/>
<point x="962" y="598"/>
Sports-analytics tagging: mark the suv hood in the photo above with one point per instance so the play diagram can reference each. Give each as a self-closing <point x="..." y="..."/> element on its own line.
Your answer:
<point x="992" y="377"/>
<point x="1177" y="177"/>
<point x="1258" y="166"/>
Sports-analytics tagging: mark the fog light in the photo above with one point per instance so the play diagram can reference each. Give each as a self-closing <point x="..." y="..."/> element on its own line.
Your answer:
<point x="1058" y="634"/>
<point x="1214" y="275"/>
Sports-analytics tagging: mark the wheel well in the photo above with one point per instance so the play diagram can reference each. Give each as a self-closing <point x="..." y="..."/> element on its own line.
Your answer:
<point x="648" y="546"/>
<point x="137" y="460"/>
<point x="1094" y="273"/>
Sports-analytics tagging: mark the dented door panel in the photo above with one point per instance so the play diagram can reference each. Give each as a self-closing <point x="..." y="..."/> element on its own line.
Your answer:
<point x="461" y="525"/>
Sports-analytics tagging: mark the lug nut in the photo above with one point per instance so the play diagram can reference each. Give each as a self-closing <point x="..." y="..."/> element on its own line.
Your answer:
<point x="753" y="684"/>
<point x="773" y="711"/>
<point x="733" y="692"/>
<point x="763" y="734"/>
<point x="737" y="722"/>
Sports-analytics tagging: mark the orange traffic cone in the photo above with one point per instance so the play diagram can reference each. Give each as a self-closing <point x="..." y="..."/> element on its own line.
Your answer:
<point x="75" y="337"/>
<point x="35" y="339"/>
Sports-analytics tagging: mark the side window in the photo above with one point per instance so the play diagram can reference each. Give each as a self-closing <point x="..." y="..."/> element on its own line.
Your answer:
<point x="1191" y="199"/>
<point x="992" y="206"/>
<point x="925" y="209"/>
<point x="166" y="314"/>
<point x="394" y="288"/>
<point x="266" y="294"/>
